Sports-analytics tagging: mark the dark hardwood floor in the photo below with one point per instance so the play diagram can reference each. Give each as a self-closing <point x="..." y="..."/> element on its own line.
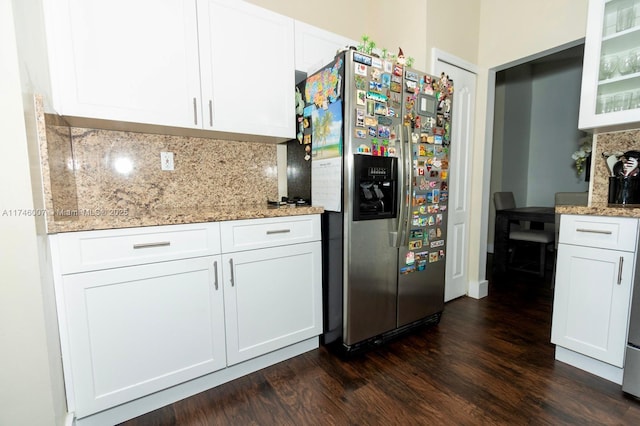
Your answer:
<point x="488" y="362"/>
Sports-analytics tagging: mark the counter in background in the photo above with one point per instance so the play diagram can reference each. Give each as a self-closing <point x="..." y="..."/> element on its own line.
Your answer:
<point x="599" y="209"/>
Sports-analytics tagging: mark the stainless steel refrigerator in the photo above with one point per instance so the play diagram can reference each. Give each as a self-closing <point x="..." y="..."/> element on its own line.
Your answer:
<point x="378" y="137"/>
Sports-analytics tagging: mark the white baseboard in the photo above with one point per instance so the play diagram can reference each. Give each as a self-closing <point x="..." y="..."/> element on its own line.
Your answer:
<point x="478" y="290"/>
<point x="590" y="365"/>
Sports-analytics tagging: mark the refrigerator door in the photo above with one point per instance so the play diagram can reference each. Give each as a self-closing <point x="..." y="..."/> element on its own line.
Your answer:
<point x="420" y="293"/>
<point x="370" y="293"/>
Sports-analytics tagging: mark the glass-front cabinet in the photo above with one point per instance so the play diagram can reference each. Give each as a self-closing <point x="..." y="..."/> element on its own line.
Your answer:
<point x="610" y="95"/>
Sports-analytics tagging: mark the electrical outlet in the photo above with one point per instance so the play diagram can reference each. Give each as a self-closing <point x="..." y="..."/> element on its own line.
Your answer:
<point x="166" y="160"/>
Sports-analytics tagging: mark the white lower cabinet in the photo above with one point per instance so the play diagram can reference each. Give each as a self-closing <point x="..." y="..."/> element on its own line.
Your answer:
<point x="140" y="329"/>
<point x="591" y="305"/>
<point x="151" y="315"/>
<point x="594" y="278"/>
<point x="272" y="299"/>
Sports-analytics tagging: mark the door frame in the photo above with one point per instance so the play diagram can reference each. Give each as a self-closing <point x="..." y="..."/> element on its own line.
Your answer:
<point x="473" y="290"/>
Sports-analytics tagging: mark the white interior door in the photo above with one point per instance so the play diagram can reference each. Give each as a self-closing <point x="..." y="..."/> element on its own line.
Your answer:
<point x="464" y="98"/>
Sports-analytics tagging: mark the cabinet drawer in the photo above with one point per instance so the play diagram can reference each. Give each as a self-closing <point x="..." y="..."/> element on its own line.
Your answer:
<point x="94" y="250"/>
<point x="599" y="231"/>
<point x="261" y="233"/>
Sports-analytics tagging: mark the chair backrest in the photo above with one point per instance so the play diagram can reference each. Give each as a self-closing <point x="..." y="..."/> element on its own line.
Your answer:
<point x="569" y="199"/>
<point x="504" y="200"/>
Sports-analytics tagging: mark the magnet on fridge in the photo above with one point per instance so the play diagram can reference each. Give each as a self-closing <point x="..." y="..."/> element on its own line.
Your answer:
<point x="360" y="69"/>
<point x="308" y="110"/>
<point x="397" y="70"/>
<point x="443" y="208"/>
<point x="410" y="75"/>
<point x="407" y="270"/>
<point x="370" y="121"/>
<point x="385" y="79"/>
<point x="385" y="121"/>
<point x="361" y="97"/>
<point x="359" y="117"/>
<point x="444" y="174"/>
<point x="375" y="74"/>
<point x="423" y="209"/>
<point x="422" y="265"/>
<point x="420" y="171"/>
<point x="395" y="87"/>
<point x="433" y="257"/>
<point x="373" y="132"/>
<point x="380" y="109"/>
<point x="364" y="149"/>
<point x="307" y="139"/>
<point x="387" y="66"/>
<point x="361" y="82"/>
<point x="415" y="245"/>
<point x="361" y="134"/>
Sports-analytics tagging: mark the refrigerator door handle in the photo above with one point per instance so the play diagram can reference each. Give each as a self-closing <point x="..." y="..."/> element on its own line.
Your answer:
<point x="402" y="213"/>
<point x="407" y="176"/>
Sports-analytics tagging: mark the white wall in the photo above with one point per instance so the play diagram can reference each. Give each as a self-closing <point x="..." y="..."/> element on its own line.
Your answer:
<point x="517" y="127"/>
<point x="509" y="31"/>
<point x="29" y="392"/>
<point x="554" y="132"/>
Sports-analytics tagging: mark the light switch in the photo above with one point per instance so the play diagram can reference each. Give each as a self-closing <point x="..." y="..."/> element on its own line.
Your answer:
<point x="166" y="160"/>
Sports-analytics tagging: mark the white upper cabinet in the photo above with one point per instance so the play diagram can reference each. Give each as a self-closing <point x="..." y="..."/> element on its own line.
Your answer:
<point x="219" y="65"/>
<point x="316" y="47"/>
<point x="126" y="61"/>
<point x="610" y="96"/>
<point x="247" y="69"/>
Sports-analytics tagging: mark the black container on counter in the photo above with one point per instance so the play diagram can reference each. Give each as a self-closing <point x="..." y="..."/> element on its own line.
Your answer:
<point x="624" y="190"/>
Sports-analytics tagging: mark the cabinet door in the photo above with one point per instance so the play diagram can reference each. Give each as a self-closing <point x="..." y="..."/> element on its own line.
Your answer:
<point x="136" y="330"/>
<point x="248" y="75"/>
<point x="591" y="304"/>
<point x="273" y="298"/>
<point x="610" y="94"/>
<point x="134" y="61"/>
<point x="316" y="47"/>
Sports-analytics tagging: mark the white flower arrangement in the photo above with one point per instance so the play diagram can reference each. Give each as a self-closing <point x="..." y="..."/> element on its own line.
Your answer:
<point x="580" y="156"/>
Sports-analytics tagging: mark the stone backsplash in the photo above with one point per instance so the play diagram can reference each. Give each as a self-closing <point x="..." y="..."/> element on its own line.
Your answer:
<point x="609" y="143"/>
<point x="87" y="171"/>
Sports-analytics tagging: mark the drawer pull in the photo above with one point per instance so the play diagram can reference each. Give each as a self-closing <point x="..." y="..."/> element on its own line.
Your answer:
<point x="620" y="270"/>
<point x="594" y="231"/>
<point x="215" y="273"/>
<point x="278" y="231"/>
<point x="149" y="245"/>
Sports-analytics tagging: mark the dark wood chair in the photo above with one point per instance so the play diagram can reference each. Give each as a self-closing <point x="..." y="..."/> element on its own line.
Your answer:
<point x="519" y="234"/>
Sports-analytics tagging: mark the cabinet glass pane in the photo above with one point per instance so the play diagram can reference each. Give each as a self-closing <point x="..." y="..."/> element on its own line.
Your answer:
<point x="619" y="72"/>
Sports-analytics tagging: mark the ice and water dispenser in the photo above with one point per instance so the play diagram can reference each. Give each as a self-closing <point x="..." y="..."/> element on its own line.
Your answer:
<point x="375" y="183"/>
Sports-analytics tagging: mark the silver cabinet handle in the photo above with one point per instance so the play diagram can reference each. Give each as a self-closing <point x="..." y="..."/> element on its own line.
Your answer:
<point x="278" y="231"/>
<point x="210" y="113"/>
<point x="149" y="245"/>
<point x="620" y="270"/>
<point x="594" y="231"/>
<point x="232" y="277"/>
<point x="215" y="274"/>
<point x="195" y="112"/>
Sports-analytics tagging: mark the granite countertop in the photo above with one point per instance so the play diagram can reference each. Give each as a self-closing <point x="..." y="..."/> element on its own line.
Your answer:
<point x="89" y="220"/>
<point x="601" y="209"/>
